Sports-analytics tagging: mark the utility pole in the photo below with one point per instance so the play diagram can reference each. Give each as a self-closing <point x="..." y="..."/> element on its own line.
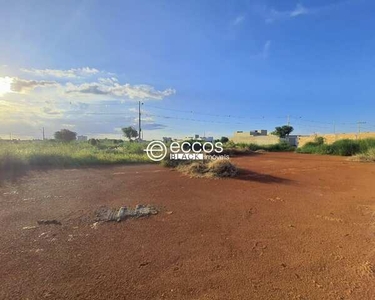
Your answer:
<point x="288" y="120"/>
<point x="140" y="133"/>
<point x="43" y="134"/>
<point x="334" y="129"/>
<point x="359" y="127"/>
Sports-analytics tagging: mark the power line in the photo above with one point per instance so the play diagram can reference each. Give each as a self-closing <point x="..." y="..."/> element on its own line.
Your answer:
<point x="202" y="113"/>
<point x="187" y="119"/>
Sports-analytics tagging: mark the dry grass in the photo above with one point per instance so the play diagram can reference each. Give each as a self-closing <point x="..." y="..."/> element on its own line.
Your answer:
<point x="368" y="156"/>
<point x="212" y="169"/>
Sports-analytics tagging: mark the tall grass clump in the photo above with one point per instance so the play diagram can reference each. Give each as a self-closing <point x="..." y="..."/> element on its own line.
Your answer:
<point x="368" y="156"/>
<point x="57" y="154"/>
<point x="344" y="147"/>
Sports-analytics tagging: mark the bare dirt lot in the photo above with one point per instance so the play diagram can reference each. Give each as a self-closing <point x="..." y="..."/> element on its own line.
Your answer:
<point x="290" y="227"/>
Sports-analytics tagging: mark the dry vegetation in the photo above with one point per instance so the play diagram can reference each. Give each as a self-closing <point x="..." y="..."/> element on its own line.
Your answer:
<point x="212" y="169"/>
<point x="368" y="156"/>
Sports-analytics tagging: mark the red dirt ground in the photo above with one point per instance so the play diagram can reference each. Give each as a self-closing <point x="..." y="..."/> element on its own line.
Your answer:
<point x="290" y="227"/>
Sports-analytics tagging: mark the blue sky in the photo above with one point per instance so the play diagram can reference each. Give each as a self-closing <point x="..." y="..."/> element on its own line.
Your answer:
<point x="208" y="67"/>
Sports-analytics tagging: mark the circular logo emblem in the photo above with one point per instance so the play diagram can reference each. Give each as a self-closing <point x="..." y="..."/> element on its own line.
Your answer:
<point x="156" y="150"/>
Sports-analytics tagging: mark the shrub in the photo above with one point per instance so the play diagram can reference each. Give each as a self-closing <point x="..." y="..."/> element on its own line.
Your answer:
<point x="93" y="142"/>
<point x="345" y="147"/>
<point x="224" y="139"/>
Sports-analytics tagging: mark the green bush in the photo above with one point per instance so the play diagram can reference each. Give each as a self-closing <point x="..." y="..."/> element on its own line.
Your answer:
<point x="343" y="147"/>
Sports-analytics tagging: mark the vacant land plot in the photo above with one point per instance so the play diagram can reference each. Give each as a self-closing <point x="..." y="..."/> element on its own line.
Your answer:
<point x="291" y="226"/>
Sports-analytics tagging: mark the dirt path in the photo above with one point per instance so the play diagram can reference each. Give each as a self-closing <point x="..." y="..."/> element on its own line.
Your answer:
<point x="290" y="227"/>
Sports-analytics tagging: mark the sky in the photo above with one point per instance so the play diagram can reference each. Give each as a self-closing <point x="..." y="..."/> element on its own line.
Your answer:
<point x="199" y="67"/>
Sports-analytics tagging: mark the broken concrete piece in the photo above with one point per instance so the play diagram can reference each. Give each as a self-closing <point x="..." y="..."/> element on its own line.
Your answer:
<point x="49" y="222"/>
<point x="110" y="214"/>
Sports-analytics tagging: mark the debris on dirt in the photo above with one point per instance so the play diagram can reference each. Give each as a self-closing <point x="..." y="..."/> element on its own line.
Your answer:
<point x="49" y="222"/>
<point x="28" y="199"/>
<point x="29" y="227"/>
<point x="367" y="269"/>
<point x="275" y="199"/>
<point x="110" y="214"/>
<point x="143" y="264"/>
<point x="327" y="218"/>
<point x="10" y="193"/>
<point x="169" y="212"/>
<point x="260" y="151"/>
<point x="211" y="169"/>
<point x="95" y="225"/>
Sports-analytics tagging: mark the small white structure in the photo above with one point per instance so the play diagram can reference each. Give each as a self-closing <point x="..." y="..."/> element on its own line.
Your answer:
<point x="82" y="138"/>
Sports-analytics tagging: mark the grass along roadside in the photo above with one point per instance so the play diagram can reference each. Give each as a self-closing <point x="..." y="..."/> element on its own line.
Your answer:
<point x="368" y="156"/>
<point x="20" y="155"/>
<point x="243" y="148"/>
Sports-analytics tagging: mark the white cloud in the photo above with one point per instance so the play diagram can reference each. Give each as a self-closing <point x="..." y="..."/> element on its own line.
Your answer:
<point x="112" y="88"/>
<point x="21" y="85"/>
<point x="299" y="10"/>
<point x="272" y="15"/>
<point x="54" y="102"/>
<point x="71" y="73"/>
<point x="275" y="15"/>
<point x="240" y="19"/>
<point x="265" y="51"/>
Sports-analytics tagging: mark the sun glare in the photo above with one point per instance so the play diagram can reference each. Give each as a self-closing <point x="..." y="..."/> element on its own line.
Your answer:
<point x="5" y="84"/>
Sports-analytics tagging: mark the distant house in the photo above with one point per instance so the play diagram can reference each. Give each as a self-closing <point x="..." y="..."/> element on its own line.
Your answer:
<point x="258" y="137"/>
<point x="82" y="138"/>
<point x="198" y="138"/>
<point x="258" y="132"/>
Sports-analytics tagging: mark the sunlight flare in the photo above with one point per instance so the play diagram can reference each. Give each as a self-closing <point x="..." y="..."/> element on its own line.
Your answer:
<point x="5" y="85"/>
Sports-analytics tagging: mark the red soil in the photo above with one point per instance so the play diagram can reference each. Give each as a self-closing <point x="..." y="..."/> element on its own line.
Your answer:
<point x="290" y="227"/>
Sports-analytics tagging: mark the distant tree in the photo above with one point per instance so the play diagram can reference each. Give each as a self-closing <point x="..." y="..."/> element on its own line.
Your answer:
<point x="283" y="131"/>
<point x="65" y="135"/>
<point x="129" y="132"/>
<point x="93" y="142"/>
<point x="319" y="140"/>
<point x="224" y="139"/>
